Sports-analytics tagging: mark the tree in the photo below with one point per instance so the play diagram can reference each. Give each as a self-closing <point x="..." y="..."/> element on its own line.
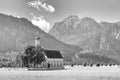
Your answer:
<point x="38" y="57"/>
<point x="98" y="64"/>
<point x="91" y="64"/>
<point x="85" y="64"/>
<point x="32" y="56"/>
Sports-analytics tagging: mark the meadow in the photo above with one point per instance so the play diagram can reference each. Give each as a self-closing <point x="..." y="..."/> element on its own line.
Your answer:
<point x="69" y="73"/>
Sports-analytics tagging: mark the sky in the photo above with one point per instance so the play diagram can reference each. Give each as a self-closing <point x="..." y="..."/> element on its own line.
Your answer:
<point x="44" y="13"/>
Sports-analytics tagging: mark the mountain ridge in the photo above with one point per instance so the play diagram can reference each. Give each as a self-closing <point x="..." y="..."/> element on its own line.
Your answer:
<point x="89" y="35"/>
<point x="16" y="33"/>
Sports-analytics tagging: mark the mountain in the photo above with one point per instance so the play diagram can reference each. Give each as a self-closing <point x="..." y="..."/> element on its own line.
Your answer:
<point x="90" y="35"/>
<point x="110" y="41"/>
<point x="16" y="33"/>
<point x="75" y="31"/>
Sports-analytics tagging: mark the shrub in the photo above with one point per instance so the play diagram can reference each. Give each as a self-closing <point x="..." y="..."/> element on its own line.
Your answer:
<point x="85" y="64"/>
<point x="98" y="64"/>
<point x="91" y="64"/>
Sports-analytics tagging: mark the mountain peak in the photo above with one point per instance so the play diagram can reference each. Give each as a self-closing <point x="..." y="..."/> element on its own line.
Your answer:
<point x="88" y="19"/>
<point x="72" y="17"/>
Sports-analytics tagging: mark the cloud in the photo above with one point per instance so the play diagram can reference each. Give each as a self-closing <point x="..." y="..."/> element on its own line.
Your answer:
<point x="41" y="23"/>
<point x="39" y="4"/>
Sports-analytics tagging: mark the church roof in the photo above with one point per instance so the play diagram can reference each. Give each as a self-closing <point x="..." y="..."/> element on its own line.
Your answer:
<point x="53" y="54"/>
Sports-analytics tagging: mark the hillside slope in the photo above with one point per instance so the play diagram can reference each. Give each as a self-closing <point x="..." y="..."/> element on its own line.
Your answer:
<point x="16" y="33"/>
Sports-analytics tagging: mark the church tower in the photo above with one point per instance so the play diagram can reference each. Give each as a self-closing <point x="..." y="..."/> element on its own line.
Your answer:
<point x="37" y="41"/>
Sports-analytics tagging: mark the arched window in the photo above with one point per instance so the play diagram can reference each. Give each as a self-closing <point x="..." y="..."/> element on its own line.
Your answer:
<point x="55" y="63"/>
<point x="52" y="64"/>
<point x="58" y="63"/>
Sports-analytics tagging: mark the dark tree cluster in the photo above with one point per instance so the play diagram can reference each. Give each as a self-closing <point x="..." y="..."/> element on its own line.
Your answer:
<point x="32" y="56"/>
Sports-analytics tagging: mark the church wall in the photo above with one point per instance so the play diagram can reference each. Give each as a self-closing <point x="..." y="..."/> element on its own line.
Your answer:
<point x="54" y="63"/>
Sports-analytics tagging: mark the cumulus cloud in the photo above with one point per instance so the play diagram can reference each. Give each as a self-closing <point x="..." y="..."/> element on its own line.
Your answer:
<point x="41" y="23"/>
<point x="38" y="4"/>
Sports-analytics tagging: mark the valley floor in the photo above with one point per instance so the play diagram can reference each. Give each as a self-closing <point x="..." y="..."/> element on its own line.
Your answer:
<point x="69" y="73"/>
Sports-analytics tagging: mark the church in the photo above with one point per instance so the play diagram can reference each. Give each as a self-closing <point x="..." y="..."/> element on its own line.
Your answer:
<point x="53" y="58"/>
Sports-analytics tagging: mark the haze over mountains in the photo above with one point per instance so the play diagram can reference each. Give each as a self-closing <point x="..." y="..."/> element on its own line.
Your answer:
<point x="101" y="38"/>
<point x="16" y="33"/>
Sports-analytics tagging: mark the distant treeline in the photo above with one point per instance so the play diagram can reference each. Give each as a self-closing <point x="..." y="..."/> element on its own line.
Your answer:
<point x="94" y="59"/>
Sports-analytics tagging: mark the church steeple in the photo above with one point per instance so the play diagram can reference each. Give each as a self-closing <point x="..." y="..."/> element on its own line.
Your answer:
<point x="37" y="41"/>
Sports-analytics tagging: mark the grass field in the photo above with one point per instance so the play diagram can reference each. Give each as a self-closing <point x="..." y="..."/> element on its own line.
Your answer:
<point x="69" y="73"/>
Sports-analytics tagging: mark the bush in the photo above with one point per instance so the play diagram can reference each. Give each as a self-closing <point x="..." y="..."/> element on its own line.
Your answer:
<point x="110" y="64"/>
<point x="91" y="64"/>
<point x="72" y="65"/>
<point x="98" y="64"/>
<point x="85" y="64"/>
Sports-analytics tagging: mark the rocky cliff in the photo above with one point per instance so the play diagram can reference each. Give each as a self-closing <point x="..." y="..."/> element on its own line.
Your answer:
<point x="96" y="37"/>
